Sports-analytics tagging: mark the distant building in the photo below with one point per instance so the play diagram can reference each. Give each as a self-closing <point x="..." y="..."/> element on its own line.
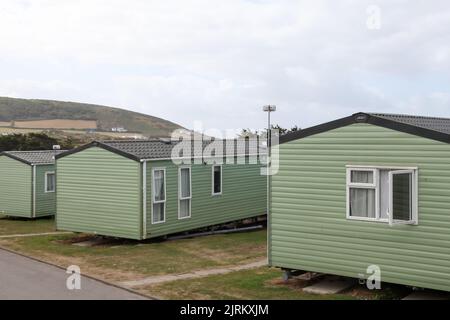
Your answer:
<point x="5" y="123"/>
<point x="119" y="129"/>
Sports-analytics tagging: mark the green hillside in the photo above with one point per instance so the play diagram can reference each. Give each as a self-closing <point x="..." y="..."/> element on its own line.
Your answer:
<point x="107" y="117"/>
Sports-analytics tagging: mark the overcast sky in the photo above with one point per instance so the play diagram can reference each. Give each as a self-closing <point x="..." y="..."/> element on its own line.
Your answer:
<point x="219" y="61"/>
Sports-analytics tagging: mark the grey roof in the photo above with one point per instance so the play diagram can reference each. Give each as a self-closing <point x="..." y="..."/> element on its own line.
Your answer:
<point x="162" y="149"/>
<point x="432" y="123"/>
<point x="148" y="149"/>
<point x="34" y="157"/>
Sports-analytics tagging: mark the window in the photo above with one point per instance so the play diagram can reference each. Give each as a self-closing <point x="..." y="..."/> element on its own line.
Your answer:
<point x="185" y="195"/>
<point x="50" y="182"/>
<point x="382" y="194"/>
<point x="159" y="196"/>
<point x="217" y="180"/>
<point x="401" y="197"/>
<point x="362" y="193"/>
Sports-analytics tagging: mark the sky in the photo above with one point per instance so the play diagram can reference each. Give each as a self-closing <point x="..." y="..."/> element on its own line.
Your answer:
<point x="219" y="62"/>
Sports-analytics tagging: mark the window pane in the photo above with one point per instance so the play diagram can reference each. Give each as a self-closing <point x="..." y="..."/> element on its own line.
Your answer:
<point x="50" y="182"/>
<point x="185" y="181"/>
<point x="158" y="184"/>
<point x="358" y="176"/>
<point x="402" y="196"/>
<point x="384" y="194"/>
<point x="158" y="212"/>
<point x="217" y="179"/>
<point x="185" y="208"/>
<point x="362" y="202"/>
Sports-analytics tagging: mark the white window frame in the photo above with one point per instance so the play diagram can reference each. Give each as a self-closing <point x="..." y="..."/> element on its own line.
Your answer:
<point x="47" y="173"/>
<point x="372" y="186"/>
<point x="414" y="196"/>
<point x="376" y="185"/>
<point x="154" y="194"/>
<point x="212" y="180"/>
<point x="180" y="197"/>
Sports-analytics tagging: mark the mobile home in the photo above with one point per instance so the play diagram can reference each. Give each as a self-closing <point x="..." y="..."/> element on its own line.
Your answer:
<point x="28" y="183"/>
<point x="133" y="189"/>
<point x="363" y="193"/>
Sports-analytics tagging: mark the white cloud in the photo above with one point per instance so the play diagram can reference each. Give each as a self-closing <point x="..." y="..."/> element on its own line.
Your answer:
<point x="220" y="61"/>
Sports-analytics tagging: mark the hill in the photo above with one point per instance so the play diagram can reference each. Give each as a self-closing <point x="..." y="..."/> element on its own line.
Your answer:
<point x="12" y="109"/>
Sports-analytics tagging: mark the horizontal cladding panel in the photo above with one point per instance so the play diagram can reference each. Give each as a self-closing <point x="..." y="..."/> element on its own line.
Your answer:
<point x="416" y="251"/>
<point x="15" y="188"/>
<point x="356" y="232"/>
<point x="309" y="229"/>
<point x="99" y="192"/>
<point x="409" y="263"/>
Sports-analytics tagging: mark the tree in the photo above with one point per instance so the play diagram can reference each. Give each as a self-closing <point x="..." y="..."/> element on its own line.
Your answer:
<point x="248" y="133"/>
<point x="282" y="131"/>
<point x="25" y="142"/>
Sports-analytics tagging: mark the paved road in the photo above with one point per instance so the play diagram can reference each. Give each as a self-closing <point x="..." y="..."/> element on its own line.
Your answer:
<point x="24" y="278"/>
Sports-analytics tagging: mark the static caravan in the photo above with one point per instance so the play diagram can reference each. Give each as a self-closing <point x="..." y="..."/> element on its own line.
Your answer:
<point x="132" y="189"/>
<point x="369" y="192"/>
<point x="28" y="183"/>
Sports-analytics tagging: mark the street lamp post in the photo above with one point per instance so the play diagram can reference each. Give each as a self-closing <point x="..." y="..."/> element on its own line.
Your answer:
<point x="268" y="109"/>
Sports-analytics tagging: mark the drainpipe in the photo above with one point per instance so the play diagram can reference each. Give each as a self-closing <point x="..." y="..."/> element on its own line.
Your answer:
<point x="33" y="215"/>
<point x="144" y="199"/>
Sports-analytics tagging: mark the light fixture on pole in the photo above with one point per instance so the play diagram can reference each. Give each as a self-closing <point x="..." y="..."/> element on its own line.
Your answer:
<point x="269" y="108"/>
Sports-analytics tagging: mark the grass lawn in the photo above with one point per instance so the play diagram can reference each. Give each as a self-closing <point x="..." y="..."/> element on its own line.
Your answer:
<point x="258" y="284"/>
<point x="121" y="260"/>
<point x="9" y="226"/>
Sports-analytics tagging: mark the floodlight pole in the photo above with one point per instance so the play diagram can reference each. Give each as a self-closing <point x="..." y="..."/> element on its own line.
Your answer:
<point x="268" y="109"/>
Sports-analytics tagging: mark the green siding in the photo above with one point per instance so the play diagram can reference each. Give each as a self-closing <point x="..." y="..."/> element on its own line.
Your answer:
<point x="99" y="192"/>
<point x="309" y="229"/>
<point x="243" y="196"/>
<point x="45" y="201"/>
<point x="15" y="188"/>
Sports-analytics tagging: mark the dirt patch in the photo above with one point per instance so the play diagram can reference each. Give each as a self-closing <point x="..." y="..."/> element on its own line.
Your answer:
<point x="362" y="293"/>
<point x="74" y="239"/>
<point x="387" y="292"/>
<point x="96" y="241"/>
<point x="293" y="283"/>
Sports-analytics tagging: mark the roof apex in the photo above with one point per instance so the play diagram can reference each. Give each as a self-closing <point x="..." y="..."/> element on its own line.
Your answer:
<point x="434" y="128"/>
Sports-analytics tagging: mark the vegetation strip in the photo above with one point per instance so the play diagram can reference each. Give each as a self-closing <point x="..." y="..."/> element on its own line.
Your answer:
<point x="34" y="234"/>
<point x="195" y="274"/>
